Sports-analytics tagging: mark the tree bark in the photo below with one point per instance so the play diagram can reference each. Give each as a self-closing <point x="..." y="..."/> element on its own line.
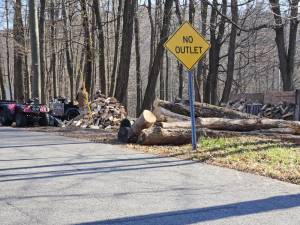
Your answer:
<point x="159" y="136"/>
<point x="179" y="65"/>
<point x="167" y="77"/>
<point x="35" y="50"/>
<point x="116" y="50"/>
<point x="240" y="125"/>
<point x="211" y="88"/>
<point x="19" y="49"/>
<point x="102" y="75"/>
<point x="70" y="67"/>
<point x="2" y="86"/>
<point x="231" y="53"/>
<point x="88" y="49"/>
<point x="202" y="110"/>
<point x="155" y="68"/>
<point x="52" y="45"/>
<point x="138" y="66"/>
<point x="42" y="52"/>
<point x="125" y="57"/>
<point x="152" y="34"/>
<point x="286" y="57"/>
<point x="7" y="50"/>
<point x="201" y="68"/>
<point x="129" y="134"/>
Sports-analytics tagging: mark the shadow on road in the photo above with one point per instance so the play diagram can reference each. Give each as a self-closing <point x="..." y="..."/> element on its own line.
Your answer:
<point x="191" y="216"/>
<point x="44" y="145"/>
<point x="56" y="172"/>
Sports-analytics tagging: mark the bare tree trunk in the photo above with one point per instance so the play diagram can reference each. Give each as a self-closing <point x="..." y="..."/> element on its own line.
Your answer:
<point x="152" y="34"/>
<point x="123" y="72"/>
<point x="52" y="45"/>
<point x="162" y="81"/>
<point x="214" y="53"/>
<point x="19" y="43"/>
<point x="2" y="86"/>
<point x="231" y="53"/>
<point x="155" y="68"/>
<point x="7" y="50"/>
<point x="88" y="50"/>
<point x="35" y="49"/>
<point x="70" y="66"/>
<point x="116" y="50"/>
<point x="102" y="75"/>
<point x="200" y="74"/>
<point x="179" y="65"/>
<point x="167" y="77"/>
<point x="42" y="52"/>
<point x="286" y="57"/>
<point x="138" y="65"/>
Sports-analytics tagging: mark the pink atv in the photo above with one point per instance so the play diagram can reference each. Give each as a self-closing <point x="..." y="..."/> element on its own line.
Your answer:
<point x="23" y="114"/>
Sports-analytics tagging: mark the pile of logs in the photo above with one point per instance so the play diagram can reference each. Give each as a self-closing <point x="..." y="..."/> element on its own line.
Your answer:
<point x="169" y="123"/>
<point x="104" y="113"/>
<point x="279" y="111"/>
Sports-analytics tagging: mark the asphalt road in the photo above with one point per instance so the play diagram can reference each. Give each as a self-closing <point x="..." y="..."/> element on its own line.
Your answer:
<point x="46" y="179"/>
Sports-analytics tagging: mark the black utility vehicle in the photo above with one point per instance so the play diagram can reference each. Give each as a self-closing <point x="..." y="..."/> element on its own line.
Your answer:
<point x="62" y="109"/>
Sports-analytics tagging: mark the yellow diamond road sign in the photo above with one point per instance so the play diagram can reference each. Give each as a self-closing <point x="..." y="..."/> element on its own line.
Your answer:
<point x="188" y="45"/>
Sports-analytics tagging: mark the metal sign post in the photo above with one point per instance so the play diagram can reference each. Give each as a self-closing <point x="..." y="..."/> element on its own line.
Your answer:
<point x="188" y="46"/>
<point x="192" y="110"/>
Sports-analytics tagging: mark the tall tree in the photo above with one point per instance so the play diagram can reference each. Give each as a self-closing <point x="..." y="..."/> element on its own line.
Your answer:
<point x="152" y="33"/>
<point x="138" y="64"/>
<point x="42" y="49"/>
<point x="87" y="42"/>
<point x="216" y="40"/>
<point x="70" y="67"/>
<point x="155" y="68"/>
<point x="231" y="53"/>
<point x="7" y="49"/>
<point x="2" y="85"/>
<point x="102" y="76"/>
<point x="179" y="65"/>
<point x="19" y="49"/>
<point x="52" y="45"/>
<point x="116" y="50"/>
<point x="201" y="68"/>
<point x="35" y="49"/>
<point x="286" y="54"/>
<point x="123" y="72"/>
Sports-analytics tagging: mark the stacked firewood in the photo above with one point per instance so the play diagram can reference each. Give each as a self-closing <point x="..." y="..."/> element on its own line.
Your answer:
<point x="279" y="111"/>
<point x="105" y="112"/>
<point x="169" y="123"/>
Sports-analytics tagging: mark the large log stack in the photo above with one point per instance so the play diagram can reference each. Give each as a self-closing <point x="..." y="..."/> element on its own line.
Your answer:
<point x="173" y="127"/>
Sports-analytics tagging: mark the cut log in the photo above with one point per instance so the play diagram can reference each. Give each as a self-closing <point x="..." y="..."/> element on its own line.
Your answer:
<point x="164" y="115"/>
<point x="236" y="124"/>
<point x="160" y="136"/>
<point x="129" y="134"/>
<point x="146" y="120"/>
<point x="201" y="110"/>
